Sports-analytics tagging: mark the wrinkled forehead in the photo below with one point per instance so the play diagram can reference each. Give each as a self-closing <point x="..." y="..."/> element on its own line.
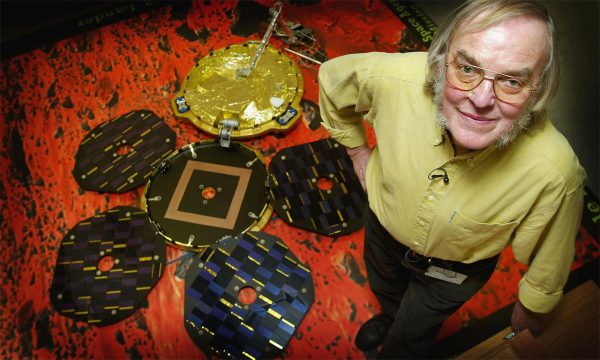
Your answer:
<point x="478" y="22"/>
<point x="523" y="38"/>
<point x="487" y="19"/>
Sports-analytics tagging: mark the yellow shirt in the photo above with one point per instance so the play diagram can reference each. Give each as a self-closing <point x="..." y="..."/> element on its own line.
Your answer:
<point x="529" y="194"/>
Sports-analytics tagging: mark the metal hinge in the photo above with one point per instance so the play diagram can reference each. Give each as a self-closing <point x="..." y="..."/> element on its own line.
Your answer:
<point x="225" y="131"/>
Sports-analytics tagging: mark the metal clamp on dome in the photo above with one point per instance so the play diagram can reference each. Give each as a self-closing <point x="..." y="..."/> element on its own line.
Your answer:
<point x="225" y="131"/>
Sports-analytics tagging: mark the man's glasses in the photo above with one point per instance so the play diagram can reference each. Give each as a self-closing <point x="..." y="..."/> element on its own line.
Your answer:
<point x="507" y="88"/>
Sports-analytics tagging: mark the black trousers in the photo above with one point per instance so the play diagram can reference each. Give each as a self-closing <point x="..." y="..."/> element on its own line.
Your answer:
<point x="419" y="304"/>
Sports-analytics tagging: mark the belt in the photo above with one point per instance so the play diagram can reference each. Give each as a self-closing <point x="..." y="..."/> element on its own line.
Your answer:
<point x="421" y="262"/>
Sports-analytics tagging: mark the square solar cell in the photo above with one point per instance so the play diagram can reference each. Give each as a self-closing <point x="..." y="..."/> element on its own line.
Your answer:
<point x="237" y="327"/>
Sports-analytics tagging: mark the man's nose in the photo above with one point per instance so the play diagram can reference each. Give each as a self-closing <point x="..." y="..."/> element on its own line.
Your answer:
<point x="483" y="95"/>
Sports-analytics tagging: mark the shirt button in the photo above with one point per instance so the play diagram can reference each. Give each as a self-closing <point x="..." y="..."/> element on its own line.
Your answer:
<point x="422" y="223"/>
<point x="430" y="198"/>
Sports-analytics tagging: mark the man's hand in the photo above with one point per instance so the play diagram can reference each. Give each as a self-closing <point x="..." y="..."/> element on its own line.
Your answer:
<point x="360" y="158"/>
<point x="522" y="319"/>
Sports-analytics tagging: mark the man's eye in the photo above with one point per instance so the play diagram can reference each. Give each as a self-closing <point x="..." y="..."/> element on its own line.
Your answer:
<point x="511" y="83"/>
<point x="514" y="83"/>
<point x="466" y="69"/>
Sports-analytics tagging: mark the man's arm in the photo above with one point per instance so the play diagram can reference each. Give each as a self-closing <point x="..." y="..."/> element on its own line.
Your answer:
<point x="343" y="100"/>
<point x="522" y="319"/>
<point x="551" y="257"/>
<point x="360" y="158"/>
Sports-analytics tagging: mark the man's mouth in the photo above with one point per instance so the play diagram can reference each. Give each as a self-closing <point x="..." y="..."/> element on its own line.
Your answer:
<point x="476" y="118"/>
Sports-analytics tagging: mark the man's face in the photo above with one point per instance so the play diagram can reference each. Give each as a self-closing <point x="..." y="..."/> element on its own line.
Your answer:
<point x="477" y="118"/>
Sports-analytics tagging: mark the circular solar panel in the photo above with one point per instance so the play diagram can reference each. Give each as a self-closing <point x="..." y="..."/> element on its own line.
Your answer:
<point x="313" y="186"/>
<point x="223" y="319"/>
<point x="266" y="100"/>
<point x="204" y="192"/>
<point x="106" y="266"/>
<point x="120" y="155"/>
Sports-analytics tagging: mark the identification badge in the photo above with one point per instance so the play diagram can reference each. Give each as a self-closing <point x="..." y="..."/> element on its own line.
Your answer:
<point x="445" y="274"/>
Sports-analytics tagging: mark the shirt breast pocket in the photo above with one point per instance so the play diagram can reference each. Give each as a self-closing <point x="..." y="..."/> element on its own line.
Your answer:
<point x="477" y="240"/>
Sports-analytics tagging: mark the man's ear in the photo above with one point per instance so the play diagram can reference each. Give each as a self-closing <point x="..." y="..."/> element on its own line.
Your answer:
<point x="537" y="102"/>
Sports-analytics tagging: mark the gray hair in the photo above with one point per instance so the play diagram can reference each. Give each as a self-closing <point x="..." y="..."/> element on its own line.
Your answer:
<point x="497" y="11"/>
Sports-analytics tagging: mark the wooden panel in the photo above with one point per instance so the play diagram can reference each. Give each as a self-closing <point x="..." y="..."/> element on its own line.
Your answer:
<point x="522" y="346"/>
<point x="571" y="331"/>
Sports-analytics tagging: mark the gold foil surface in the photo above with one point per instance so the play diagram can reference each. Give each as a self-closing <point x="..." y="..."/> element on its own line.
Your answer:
<point x="215" y="91"/>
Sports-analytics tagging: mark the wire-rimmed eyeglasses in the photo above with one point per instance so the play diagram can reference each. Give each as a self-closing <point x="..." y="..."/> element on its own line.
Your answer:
<point x="509" y="89"/>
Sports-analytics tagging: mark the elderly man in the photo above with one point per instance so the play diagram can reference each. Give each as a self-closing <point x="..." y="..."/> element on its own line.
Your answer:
<point x="466" y="163"/>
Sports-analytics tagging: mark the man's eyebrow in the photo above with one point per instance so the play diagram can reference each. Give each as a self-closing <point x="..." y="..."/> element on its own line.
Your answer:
<point x="466" y="57"/>
<point x="526" y="73"/>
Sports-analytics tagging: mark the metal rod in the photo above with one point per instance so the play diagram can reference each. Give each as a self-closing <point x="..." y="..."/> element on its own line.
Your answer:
<point x="263" y="44"/>
<point x="303" y="56"/>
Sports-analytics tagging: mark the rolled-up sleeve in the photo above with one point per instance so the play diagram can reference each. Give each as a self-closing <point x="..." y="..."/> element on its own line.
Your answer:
<point x="344" y="97"/>
<point x="550" y="260"/>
